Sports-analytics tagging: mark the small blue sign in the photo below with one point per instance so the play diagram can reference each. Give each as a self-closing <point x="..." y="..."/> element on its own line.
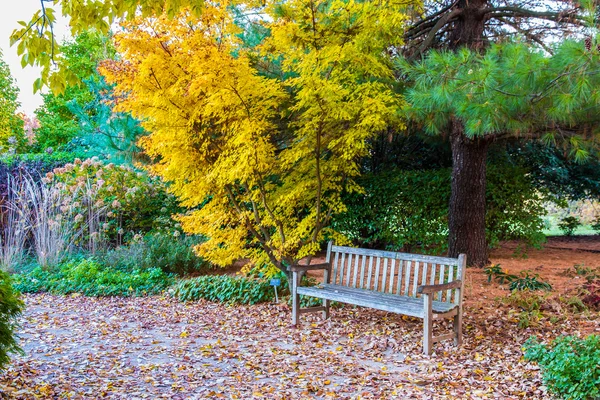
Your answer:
<point x="275" y="282"/>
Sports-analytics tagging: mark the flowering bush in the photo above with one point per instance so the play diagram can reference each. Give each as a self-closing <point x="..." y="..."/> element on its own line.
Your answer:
<point x="114" y="204"/>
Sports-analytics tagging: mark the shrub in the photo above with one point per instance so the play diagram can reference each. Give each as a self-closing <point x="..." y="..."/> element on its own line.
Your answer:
<point x="591" y="294"/>
<point x="10" y="308"/>
<point x="569" y="224"/>
<point x="569" y="365"/>
<point x="172" y="253"/>
<point x="225" y="289"/>
<point x="115" y="202"/>
<point x="409" y="209"/>
<point x="399" y="209"/>
<point x="529" y="282"/>
<point x="88" y="277"/>
<point x="596" y="224"/>
<point x="501" y="276"/>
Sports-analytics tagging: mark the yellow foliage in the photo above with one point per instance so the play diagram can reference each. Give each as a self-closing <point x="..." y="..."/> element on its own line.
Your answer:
<point x="261" y="141"/>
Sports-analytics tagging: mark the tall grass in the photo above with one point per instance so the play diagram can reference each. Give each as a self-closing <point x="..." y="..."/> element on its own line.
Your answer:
<point x="15" y="226"/>
<point x="51" y="220"/>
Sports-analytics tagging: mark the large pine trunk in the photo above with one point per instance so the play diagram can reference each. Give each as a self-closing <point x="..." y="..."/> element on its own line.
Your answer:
<point x="466" y="221"/>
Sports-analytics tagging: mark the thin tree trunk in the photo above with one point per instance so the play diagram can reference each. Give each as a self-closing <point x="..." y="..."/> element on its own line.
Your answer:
<point x="467" y="201"/>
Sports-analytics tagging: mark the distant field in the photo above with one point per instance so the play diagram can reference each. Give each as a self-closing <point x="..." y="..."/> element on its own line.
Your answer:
<point x="552" y="228"/>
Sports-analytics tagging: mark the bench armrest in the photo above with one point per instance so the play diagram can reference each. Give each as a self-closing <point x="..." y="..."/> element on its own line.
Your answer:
<point x="428" y="289"/>
<point x="300" y="268"/>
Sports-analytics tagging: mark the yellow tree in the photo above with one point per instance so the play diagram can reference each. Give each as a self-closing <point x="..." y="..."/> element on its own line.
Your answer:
<point x="261" y="157"/>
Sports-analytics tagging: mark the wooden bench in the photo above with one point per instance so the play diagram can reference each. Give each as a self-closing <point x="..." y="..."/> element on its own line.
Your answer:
<point x="419" y="286"/>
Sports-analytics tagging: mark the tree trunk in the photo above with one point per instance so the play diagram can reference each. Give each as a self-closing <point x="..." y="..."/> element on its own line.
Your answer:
<point x="466" y="220"/>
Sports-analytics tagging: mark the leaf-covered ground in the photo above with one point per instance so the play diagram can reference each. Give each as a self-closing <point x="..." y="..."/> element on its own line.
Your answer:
<point x="79" y="347"/>
<point x="156" y="347"/>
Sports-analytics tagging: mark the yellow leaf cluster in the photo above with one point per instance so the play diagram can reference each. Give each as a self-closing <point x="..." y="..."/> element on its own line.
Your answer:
<point x="260" y="141"/>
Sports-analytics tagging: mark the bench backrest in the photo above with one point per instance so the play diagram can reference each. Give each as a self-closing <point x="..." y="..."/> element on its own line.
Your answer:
<point x="392" y="272"/>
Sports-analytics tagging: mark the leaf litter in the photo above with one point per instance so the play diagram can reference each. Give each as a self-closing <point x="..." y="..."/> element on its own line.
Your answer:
<point x="155" y="347"/>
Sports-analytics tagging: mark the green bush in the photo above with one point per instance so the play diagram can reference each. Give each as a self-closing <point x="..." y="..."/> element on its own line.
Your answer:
<point x="400" y="210"/>
<point x="569" y="366"/>
<point x="10" y="308"/>
<point x="596" y="224"/>
<point x="409" y="209"/>
<point x="171" y="253"/>
<point x="569" y="224"/>
<point x="88" y="277"/>
<point x="529" y="282"/>
<point x="225" y="289"/>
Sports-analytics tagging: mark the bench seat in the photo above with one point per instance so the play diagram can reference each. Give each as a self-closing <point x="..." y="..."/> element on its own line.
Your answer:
<point x="411" y="306"/>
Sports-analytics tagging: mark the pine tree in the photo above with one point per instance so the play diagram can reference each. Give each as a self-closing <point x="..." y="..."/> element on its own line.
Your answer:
<point x="473" y="97"/>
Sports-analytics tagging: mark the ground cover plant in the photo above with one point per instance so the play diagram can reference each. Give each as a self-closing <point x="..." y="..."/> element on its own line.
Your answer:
<point x="569" y="365"/>
<point x="88" y="277"/>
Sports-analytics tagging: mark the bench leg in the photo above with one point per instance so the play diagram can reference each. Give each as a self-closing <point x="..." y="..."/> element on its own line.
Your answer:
<point x="295" y="300"/>
<point x="427" y="325"/>
<point x="326" y="311"/>
<point x="458" y="328"/>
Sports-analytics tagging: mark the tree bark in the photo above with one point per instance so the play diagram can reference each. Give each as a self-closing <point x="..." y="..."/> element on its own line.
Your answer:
<point x="466" y="221"/>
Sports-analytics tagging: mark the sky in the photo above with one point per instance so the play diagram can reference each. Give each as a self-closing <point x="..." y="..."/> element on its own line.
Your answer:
<point x="22" y="10"/>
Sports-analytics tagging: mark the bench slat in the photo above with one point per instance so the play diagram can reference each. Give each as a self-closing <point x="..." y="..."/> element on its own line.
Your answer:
<point x="393" y="267"/>
<point x="407" y="278"/>
<point x="349" y="271"/>
<point x="400" y="274"/>
<point x="362" y="272"/>
<point x="355" y="274"/>
<point x="377" y="264"/>
<point x="370" y="272"/>
<point x="442" y="272"/>
<point x="342" y="262"/>
<point x="424" y="276"/>
<point x="450" y="279"/>
<point x="335" y="268"/>
<point x="384" y="276"/>
<point x="415" y="279"/>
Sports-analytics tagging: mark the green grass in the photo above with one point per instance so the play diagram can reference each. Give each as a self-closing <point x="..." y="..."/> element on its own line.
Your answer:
<point x="553" y="230"/>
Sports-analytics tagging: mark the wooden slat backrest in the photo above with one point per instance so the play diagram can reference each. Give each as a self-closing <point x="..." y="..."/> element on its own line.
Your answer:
<point x="393" y="272"/>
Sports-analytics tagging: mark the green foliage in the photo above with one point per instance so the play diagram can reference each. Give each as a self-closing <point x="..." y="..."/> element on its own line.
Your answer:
<point x="172" y="253"/>
<point x="494" y="272"/>
<point x="596" y="224"/>
<point x="10" y="308"/>
<point x="80" y="118"/>
<point x="553" y="169"/>
<point x="590" y="274"/>
<point x="529" y="282"/>
<point x="409" y="209"/>
<point x="569" y="365"/>
<point x="12" y="135"/>
<point x="569" y="224"/>
<point x="225" y="289"/>
<point x="511" y="88"/>
<point x="88" y="277"/>
<point x="400" y="209"/>
<point x="515" y="206"/>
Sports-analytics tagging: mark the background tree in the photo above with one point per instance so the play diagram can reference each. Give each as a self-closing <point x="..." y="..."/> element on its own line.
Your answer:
<point x="12" y="135"/>
<point x="80" y="118"/>
<point x="477" y="104"/>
